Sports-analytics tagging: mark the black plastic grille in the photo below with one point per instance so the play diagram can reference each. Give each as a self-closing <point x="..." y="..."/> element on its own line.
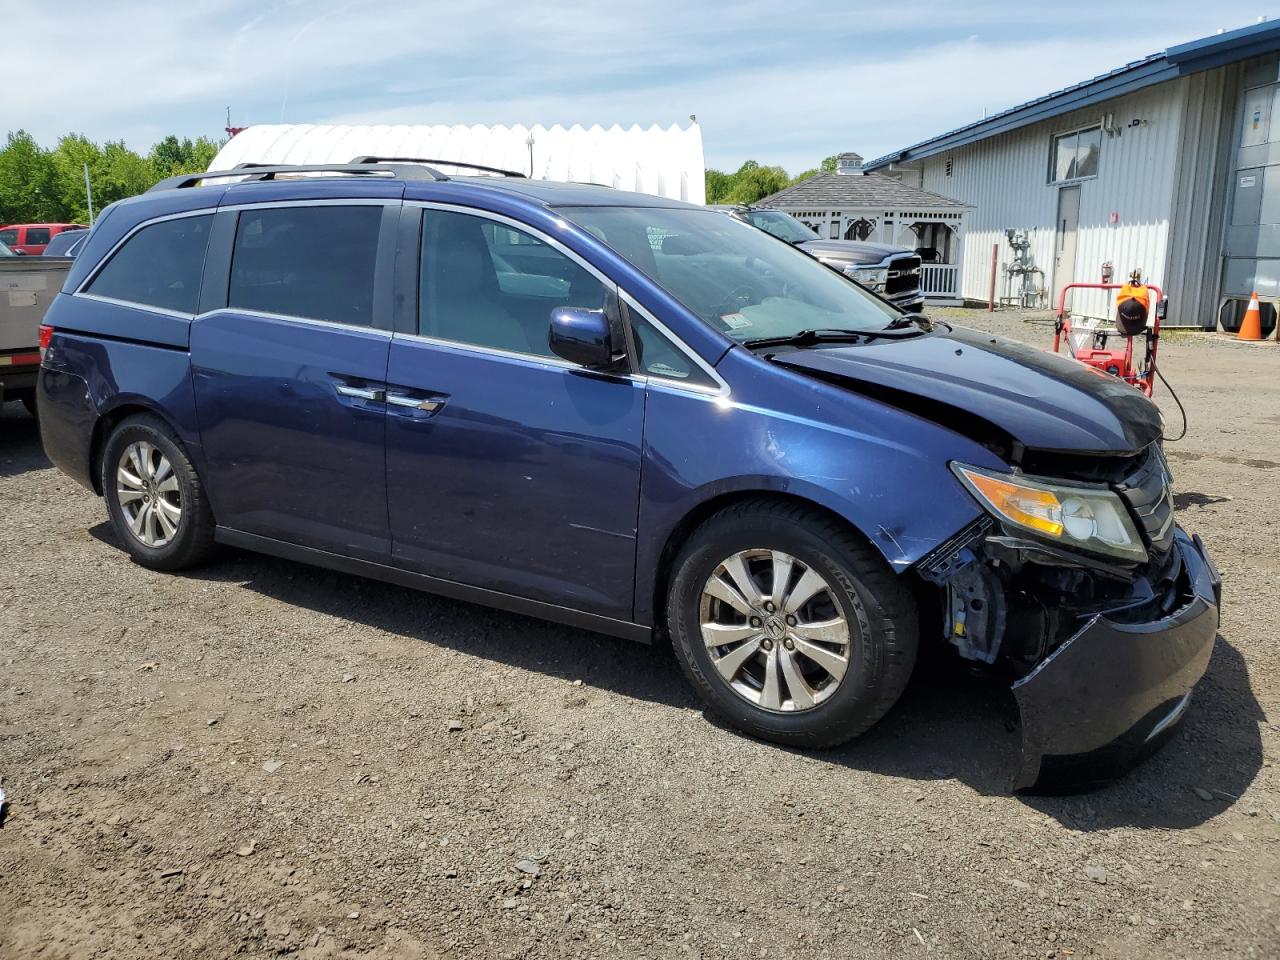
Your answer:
<point x="1147" y="492"/>
<point x="904" y="276"/>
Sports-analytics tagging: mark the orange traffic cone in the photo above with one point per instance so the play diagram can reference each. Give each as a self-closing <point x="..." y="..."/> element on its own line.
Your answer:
<point x="1251" y="326"/>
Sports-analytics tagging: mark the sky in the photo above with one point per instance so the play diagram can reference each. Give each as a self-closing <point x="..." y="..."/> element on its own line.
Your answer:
<point x="781" y="82"/>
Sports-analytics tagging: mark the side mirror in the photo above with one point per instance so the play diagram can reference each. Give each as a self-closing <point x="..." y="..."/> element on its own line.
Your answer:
<point x="582" y="337"/>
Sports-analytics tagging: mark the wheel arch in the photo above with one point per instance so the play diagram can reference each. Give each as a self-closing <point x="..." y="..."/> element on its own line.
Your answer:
<point x="108" y="420"/>
<point x="705" y="509"/>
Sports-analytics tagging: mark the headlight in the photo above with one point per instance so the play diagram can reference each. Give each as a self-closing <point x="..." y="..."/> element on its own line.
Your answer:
<point x="870" y="276"/>
<point x="1089" y="518"/>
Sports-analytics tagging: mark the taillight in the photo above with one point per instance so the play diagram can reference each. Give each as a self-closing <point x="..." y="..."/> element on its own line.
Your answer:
<point x="45" y="335"/>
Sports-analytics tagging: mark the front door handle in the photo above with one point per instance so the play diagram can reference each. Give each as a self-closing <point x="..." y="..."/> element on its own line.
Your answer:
<point x="425" y="404"/>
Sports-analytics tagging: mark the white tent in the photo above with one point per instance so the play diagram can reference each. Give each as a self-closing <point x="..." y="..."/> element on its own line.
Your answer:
<point x="667" y="162"/>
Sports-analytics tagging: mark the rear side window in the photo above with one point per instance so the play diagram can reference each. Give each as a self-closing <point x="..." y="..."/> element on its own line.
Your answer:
<point x="37" y="235"/>
<point x="313" y="262"/>
<point x="159" y="266"/>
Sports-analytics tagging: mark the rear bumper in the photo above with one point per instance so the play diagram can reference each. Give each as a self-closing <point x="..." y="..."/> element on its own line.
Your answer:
<point x="67" y="418"/>
<point x="1114" y="691"/>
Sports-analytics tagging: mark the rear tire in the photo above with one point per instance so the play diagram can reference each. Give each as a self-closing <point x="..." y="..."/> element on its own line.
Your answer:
<point x="29" y="401"/>
<point x="154" y="497"/>
<point x="824" y="647"/>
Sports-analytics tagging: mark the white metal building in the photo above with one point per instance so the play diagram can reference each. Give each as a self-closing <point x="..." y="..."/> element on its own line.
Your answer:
<point x="853" y="204"/>
<point x="1170" y="164"/>
<point x="667" y="162"/>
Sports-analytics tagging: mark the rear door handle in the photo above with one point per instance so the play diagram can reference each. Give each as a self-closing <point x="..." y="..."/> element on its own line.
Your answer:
<point x="361" y="393"/>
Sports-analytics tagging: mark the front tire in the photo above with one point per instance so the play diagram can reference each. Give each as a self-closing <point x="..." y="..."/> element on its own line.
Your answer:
<point x="790" y="626"/>
<point x="154" y="497"/>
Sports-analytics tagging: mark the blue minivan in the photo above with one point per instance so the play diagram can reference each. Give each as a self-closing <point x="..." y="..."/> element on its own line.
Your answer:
<point x="636" y="416"/>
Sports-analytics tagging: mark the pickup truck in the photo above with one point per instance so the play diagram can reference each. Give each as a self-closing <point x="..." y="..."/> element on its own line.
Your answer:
<point x="892" y="272"/>
<point x="27" y="287"/>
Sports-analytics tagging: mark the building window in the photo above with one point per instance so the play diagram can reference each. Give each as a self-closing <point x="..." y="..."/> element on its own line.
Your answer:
<point x="1075" y="155"/>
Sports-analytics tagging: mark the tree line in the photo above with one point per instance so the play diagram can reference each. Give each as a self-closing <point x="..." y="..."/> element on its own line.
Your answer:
<point x="752" y="182"/>
<point x="39" y="185"/>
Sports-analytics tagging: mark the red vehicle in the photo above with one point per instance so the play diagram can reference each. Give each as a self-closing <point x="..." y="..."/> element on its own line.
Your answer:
<point x="32" y="238"/>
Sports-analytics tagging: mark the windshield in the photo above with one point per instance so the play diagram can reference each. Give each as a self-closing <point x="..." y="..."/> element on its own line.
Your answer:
<point x="741" y="282"/>
<point x="781" y="225"/>
<point x="6" y="252"/>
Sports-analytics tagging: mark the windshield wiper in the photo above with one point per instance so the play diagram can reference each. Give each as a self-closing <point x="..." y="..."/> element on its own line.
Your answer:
<point x="805" y="338"/>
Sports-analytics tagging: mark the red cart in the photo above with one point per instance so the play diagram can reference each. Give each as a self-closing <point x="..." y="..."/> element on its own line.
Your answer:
<point x="1119" y="362"/>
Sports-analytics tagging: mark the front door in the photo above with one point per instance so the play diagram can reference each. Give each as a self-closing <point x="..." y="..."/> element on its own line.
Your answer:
<point x="1064" y="262"/>
<point x="289" y="380"/>
<point x="508" y="468"/>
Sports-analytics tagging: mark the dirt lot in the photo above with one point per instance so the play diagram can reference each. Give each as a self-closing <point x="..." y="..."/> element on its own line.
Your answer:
<point x="262" y="758"/>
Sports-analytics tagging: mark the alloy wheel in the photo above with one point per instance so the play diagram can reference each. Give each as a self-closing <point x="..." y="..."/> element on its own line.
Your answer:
<point x="774" y="631"/>
<point x="149" y="494"/>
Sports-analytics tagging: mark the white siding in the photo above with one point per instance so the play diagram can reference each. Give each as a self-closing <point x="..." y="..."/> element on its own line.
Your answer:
<point x="1005" y="178"/>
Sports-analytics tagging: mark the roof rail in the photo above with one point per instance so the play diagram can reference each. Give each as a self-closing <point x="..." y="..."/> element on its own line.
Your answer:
<point x="263" y="171"/>
<point x="443" y="163"/>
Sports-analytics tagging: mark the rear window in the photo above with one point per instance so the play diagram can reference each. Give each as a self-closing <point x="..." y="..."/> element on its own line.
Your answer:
<point x="37" y="235"/>
<point x="313" y="262"/>
<point x="159" y="266"/>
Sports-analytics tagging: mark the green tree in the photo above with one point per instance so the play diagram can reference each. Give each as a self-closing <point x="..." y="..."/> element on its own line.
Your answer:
<point x="828" y="164"/>
<point x="122" y="174"/>
<point x="719" y="184"/>
<point x="172" y="156"/>
<point x="39" y="185"/>
<point x="28" y="188"/>
<point x="69" y="158"/>
<point x="757" y="182"/>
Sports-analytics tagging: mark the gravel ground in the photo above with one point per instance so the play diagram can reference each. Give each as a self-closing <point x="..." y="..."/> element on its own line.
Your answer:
<point x="263" y="758"/>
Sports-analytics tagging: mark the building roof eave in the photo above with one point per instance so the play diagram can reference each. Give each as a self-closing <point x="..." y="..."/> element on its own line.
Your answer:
<point x="1187" y="58"/>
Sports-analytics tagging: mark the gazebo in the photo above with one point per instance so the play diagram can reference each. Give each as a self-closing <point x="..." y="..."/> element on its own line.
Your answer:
<point x="852" y="204"/>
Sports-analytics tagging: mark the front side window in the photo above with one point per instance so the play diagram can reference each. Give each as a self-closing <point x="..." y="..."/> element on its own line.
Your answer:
<point x="739" y="281"/>
<point x="9" y="237"/>
<point x="315" y="262"/>
<point x="159" y="266"/>
<point x="490" y="285"/>
<point x="1075" y="155"/>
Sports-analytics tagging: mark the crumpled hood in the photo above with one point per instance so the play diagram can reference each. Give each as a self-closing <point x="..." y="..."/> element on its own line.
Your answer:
<point x="961" y="377"/>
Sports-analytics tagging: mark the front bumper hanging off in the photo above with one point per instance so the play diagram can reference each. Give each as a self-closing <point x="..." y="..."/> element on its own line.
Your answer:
<point x="1113" y="691"/>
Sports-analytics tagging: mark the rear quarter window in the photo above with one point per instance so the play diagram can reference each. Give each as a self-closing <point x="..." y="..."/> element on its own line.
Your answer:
<point x="159" y="266"/>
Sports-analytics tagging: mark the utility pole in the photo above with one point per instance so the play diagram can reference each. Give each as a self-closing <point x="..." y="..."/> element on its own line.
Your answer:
<point x="88" y="192"/>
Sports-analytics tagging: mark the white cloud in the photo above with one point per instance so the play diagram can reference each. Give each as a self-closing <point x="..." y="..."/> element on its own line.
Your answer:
<point x="778" y="83"/>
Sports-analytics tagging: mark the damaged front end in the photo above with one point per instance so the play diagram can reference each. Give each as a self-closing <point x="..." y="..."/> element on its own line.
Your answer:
<point x="1105" y="650"/>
